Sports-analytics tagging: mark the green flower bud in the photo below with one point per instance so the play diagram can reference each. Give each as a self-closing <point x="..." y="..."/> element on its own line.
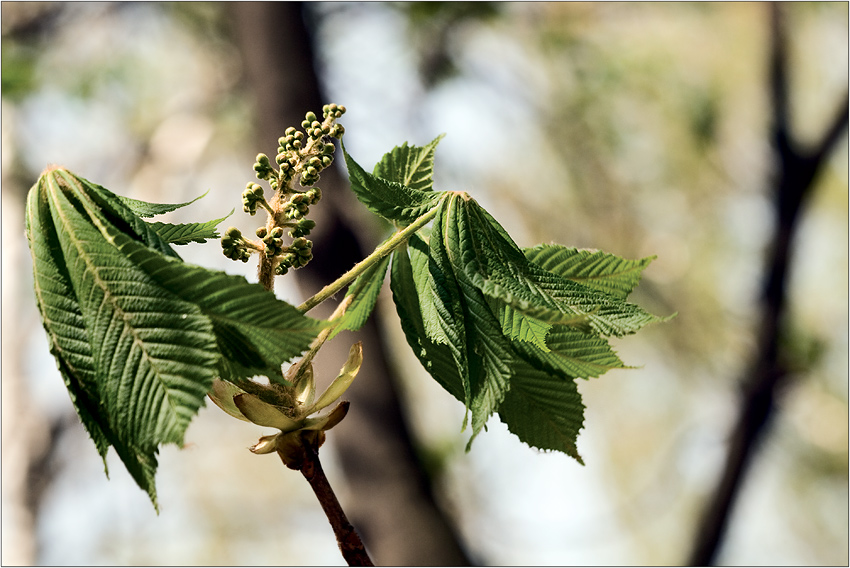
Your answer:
<point x="277" y="232"/>
<point x="327" y="161"/>
<point x="328" y="149"/>
<point x="310" y="116"/>
<point x="262" y="232"/>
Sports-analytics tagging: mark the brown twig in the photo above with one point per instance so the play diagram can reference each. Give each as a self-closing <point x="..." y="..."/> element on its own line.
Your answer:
<point x="797" y="170"/>
<point x="346" y="537"/>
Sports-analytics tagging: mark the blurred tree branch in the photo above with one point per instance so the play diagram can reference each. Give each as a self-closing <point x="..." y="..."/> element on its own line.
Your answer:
<point x="390" y="499"/>
<point x="797" y="168"/>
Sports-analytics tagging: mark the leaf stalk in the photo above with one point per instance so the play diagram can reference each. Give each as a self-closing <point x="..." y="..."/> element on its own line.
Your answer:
<point x="380" y="252"/>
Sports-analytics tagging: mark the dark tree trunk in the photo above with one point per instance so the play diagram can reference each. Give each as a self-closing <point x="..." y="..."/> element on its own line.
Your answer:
<point x="796" y="171"/>
<point x="390" y="501"/>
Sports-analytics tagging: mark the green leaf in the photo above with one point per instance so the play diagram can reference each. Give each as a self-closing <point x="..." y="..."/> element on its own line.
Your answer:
<point x="596" y="269"/>
<point x="517" y="325"/>
<point x="572" y="353"/>
<point x="502" y="333"/>
<point x="145" y="209"/>
<point x="414" y="297"/>
<point x="411" y="166"/>
<point x="543" y="410"/>
<point x="389" y="199"/>
<point x="137" y="360"/>
<point x="361" y="297"/>
<point x="252" y="327"/>
<point x="497" y="267"/>
<point x="139" y="335"/>
<point x="185" y="233"/>
<point x="487" y="350"/>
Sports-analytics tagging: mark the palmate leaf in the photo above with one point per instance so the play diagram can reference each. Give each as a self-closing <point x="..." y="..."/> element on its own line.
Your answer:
<point x="390" y="199"/>
<point x="139" y="335"/>
<point x="504" y="334"/>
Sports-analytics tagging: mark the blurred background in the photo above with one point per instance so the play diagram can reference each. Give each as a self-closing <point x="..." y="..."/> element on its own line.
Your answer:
<point x="636" y="128"/>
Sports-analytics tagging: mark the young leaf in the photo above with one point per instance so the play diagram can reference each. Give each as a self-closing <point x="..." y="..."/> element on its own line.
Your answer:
<point x="487" y="351"/>
<point x="391" y="200"/>
<point x="144" y="209"/>
<point x="596" y="269"/>
<point x="411" y="166"/>
<point x="185" y="233"/>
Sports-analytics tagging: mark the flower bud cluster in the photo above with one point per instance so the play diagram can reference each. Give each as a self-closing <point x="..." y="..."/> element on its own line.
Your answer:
<point x="234" y="246"/>
<point x="301" y="157"/>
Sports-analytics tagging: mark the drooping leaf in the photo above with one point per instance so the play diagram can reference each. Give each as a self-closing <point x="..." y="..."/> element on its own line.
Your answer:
<point x="139" y="359"/>
<point x="411" y="166"/>
<point x="596" y="269"/>
<point x="185" y="233"/>
<point x="488" y="351"/>
<point x="513" y="335"/>
<point x="391" y="200"/>
<point x="139" y="335"/>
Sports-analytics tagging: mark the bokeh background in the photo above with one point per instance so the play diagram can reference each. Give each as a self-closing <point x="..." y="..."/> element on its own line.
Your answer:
<point x="636" y="128"/>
